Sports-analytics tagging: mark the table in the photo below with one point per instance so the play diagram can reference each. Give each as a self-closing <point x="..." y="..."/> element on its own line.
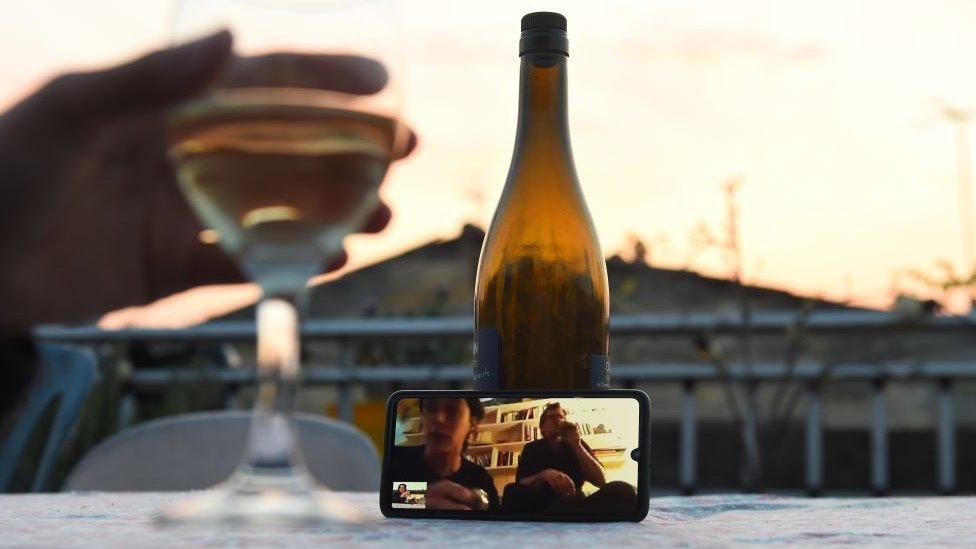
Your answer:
<point x="123" y="520"/>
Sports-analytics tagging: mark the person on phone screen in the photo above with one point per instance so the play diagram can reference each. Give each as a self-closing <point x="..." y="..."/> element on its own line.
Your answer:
<point x="453" y="481"/>
<point x="551" y="472"/>
<point x="401" y="495"/>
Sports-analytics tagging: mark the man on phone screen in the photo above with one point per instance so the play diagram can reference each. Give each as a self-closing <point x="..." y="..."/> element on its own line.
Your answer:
<point x="552" y="470"/>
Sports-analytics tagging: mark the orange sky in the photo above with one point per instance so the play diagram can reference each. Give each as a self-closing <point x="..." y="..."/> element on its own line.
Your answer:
<point x="827" y="109"/>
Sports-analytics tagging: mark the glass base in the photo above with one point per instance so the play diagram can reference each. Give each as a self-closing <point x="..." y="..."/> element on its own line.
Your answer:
<point x="248" y="498"/>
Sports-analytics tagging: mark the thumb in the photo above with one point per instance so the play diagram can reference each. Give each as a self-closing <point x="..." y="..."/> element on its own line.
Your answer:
<point x="151" y="82"/>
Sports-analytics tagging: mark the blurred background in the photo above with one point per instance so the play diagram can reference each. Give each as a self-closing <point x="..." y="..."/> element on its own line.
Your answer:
<point x="787" y="159"/>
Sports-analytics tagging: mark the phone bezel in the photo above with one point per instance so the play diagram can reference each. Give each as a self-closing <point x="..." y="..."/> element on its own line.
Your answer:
<point x="643" y="458"/>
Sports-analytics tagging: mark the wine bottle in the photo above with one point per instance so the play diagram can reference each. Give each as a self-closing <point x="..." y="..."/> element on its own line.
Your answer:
<point x="542" y="304"/>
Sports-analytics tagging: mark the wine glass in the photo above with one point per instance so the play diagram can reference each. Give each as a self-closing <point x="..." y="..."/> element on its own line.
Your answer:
<point x="282" y="159"/>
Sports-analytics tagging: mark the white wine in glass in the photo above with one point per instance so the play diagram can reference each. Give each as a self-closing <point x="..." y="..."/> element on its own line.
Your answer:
<point x="281" y="183"/>
<point x="282" y="159"/>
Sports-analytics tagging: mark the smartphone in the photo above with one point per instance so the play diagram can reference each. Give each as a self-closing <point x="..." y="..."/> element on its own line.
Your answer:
<point x="517" y="455"/>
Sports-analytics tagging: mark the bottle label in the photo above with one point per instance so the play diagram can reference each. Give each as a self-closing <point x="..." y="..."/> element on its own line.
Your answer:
<point x="599" y="372"/>
<point x="487" y="352"/>
<point x="487" y="346"/>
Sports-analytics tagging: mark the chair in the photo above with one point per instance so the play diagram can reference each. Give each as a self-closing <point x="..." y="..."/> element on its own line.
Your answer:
<point x="197" y="450"/>
<point x="66" y="376"/>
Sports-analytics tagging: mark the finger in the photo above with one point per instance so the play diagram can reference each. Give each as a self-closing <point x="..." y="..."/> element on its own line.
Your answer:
<point x="455" y="492"/>
<point x="341" y="73"/>
<point x="409" y="147"/>
<point x="338" y="262"/>
<point x="471" y="499"/>
<point x="447" y="489"/>
<point x="151" y="82"/>
<point x="380" y="219"/>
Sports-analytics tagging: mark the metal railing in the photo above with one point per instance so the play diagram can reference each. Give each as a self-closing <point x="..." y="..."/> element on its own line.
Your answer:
<point x="760" y="323"/>
<point x="941" y="375"/>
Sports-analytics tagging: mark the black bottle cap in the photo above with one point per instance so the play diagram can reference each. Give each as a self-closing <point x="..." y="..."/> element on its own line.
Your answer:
<point x="544" y="32"/>
<point x="545" y="20"/>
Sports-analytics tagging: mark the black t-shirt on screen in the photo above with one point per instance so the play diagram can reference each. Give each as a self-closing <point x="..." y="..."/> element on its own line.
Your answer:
<point x="537" y="456"/>
<point x="407" y="464"/>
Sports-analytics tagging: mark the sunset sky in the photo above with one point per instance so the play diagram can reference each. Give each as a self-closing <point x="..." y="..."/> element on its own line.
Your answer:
<point x="828" y="110"/>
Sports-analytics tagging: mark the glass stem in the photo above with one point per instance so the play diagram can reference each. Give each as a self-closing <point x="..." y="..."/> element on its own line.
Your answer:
<point x="272" y="446"/>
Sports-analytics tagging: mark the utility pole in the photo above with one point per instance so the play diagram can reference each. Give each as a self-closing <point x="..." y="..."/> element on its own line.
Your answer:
<point x="960" y="118"/>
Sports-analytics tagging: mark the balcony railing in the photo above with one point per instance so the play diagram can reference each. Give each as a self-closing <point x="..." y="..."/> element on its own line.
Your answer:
<point x="940" y="375"/>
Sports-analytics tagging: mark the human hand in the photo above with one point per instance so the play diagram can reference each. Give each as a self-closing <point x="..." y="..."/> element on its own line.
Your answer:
<point x="92" y="218"/>
<point x="445" y="494"/>
<point x="569" y="432"/>
<point x="560" y="482"/>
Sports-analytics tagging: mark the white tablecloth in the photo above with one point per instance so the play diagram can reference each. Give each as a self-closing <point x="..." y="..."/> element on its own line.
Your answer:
<point x="124" y="520"/>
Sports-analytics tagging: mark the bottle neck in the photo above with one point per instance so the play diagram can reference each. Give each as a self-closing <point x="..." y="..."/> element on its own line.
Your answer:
<point x="542" y="115"/>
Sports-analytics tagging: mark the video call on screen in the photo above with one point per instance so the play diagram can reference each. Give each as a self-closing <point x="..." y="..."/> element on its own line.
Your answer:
<point x="519" y="455"/>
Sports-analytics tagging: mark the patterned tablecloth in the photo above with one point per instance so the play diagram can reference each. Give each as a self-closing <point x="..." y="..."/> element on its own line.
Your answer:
<point x="124" y="520"/>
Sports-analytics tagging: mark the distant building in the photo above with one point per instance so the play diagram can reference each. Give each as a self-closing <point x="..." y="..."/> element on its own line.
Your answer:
<point x="437" y="279"/>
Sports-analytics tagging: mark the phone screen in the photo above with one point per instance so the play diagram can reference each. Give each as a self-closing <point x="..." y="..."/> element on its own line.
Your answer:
<point x="492" y="455"/>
